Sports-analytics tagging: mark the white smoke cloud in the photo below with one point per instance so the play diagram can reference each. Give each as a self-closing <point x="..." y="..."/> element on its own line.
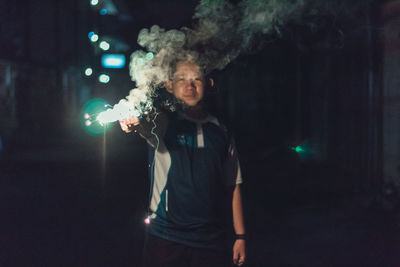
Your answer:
<point x="222" y="31"/>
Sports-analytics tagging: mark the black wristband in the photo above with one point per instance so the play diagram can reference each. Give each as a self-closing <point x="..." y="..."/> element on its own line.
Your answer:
<point x="243" y="236"/>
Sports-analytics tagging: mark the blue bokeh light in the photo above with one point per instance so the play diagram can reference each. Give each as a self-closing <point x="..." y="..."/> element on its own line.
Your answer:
<point x="113" y="61"/>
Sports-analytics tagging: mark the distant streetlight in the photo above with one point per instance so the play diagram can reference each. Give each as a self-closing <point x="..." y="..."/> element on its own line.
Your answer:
<point x="104" y="78"/>
<point x="88" y="71"/>
<point x="104" y="45"/>
<point x="93" y="37"/>
<point x="113" y="61"/>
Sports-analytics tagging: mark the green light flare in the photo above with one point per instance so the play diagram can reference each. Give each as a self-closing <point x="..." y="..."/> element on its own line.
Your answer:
<point x="88" y="71"/>
<point x="298" y="149"/>
<point x="88" y="115"/>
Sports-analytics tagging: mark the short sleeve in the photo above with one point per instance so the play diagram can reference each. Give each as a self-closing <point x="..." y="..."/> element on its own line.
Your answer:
<point x="232" y="172"/>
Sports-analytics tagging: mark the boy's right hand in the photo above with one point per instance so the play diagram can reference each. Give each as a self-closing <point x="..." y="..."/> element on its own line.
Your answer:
<point x="128" y="124"/>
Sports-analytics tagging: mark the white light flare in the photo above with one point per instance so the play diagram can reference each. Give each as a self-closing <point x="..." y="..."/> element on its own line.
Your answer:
<point x="136" y="104"/>
<point x="147" y="220"/>
<point x="104" y="78"/>
<point x="119" y="112"/>
<point x="86" y="116"/>
<point x="94" y="2"/>
<point x="94" y="38"/>
<point x="88" y="123"/>
<point x="104" y="45"/>
<point x="88" y="71"/>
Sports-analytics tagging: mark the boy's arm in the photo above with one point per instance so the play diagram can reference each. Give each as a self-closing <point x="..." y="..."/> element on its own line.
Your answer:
<point x="239" y="247"/>
<point x="151" y="128"/>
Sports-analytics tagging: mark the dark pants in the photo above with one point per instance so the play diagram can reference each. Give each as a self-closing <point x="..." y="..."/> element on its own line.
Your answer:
<point x="159" y="252"/>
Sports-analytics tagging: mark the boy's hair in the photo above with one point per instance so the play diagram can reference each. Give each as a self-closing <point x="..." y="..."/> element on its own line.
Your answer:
<point x="187" y="56"/>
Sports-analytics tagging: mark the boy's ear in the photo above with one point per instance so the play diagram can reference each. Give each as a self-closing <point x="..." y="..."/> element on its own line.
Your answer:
<point x="168" y="86"/>
<point x="211" y="81"/>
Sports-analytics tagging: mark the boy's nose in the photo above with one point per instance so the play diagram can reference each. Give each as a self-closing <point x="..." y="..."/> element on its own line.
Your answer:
<point x="190" y="84"/>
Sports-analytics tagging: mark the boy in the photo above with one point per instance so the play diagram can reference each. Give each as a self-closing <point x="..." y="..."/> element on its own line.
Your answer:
<point x="195" y="167"/>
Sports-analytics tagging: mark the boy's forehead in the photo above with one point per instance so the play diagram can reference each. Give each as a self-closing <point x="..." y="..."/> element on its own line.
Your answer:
<point x="187" y="67"/>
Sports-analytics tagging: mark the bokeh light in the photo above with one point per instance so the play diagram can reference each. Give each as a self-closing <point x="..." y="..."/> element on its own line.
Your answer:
<point x="304" y="150"/>
<point x="90" y="110"/>
<point x="94" y="38"/>
<point x="298" y="149"/>
<point x="94" y="2"/>
<point x="103" y="11"/>
<point x="113" y="61"/>
<point x="104" y="78"/>
<point x="88" y="71"/>
<point x="149" y="56"/>
<point x="104" y="45"/>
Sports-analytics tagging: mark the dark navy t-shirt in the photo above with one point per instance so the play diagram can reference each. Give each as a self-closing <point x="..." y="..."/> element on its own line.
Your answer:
<point x="194" y="161"/>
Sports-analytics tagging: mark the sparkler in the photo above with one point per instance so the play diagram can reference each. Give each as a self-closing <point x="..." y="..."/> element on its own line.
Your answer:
<point x="136" y="104"/>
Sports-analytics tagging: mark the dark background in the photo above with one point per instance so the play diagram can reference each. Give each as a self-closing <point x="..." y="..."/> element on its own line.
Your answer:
<point x="71" y="199"/>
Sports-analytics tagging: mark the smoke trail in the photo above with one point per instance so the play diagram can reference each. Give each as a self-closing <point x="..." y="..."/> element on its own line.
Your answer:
<point x="221" y="32"/>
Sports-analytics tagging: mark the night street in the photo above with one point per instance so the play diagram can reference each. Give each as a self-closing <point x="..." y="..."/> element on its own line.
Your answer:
<point x="60" y="210"/>
<point x="117" y="111"/>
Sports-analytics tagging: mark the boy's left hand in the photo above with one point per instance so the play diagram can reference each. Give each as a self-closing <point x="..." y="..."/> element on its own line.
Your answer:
<point x="239" y="252"/>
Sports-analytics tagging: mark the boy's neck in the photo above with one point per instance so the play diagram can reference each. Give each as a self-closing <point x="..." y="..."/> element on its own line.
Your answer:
<point x="197" y="112"/>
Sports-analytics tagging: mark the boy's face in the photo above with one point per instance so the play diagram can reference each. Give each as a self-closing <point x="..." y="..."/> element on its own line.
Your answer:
<point x="187" y="83"/>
